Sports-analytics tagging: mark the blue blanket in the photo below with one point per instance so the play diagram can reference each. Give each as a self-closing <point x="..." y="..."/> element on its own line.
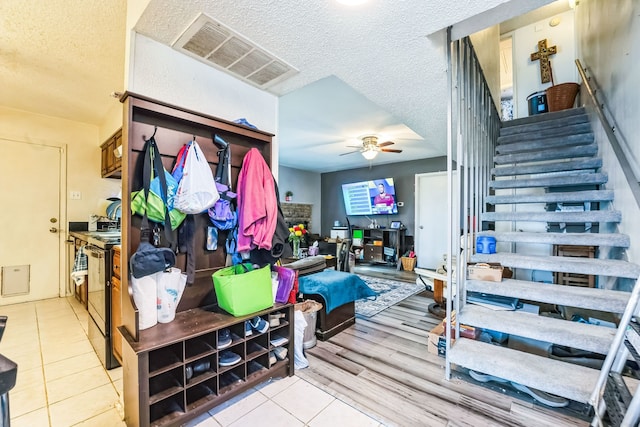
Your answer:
<point x="336" y="287"/>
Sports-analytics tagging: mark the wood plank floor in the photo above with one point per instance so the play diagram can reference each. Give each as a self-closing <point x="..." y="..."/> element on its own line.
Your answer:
<point x="381" y="366"/>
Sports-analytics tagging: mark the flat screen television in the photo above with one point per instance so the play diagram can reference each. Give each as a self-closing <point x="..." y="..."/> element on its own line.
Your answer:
<point x="375" y="197"/>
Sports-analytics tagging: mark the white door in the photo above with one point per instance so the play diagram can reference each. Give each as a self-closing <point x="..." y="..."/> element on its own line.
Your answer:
<point x="431" y="218"/>
<point x="30" y="220"/>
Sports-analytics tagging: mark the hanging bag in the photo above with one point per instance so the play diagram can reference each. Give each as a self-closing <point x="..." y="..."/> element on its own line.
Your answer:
<point x="197" y="189"/>
<point x="157" y="197"/>
<point x="222" y="213"/>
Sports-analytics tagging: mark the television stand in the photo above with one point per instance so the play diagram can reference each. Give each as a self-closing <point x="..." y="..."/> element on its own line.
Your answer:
<point x="380" y="245"/>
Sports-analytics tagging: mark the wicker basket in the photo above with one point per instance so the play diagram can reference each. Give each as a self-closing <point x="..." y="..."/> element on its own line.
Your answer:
<point x="562" y="96"/>
<point x="408" y="264"/>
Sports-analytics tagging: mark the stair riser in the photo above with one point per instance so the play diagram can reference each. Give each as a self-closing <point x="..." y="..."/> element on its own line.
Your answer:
<point x="547" y="133"/>
<point x="588" y="164"/>
<point x="603" y="267"/>
<point x="569" y="197"/>
<point x="540" y="118"/>
<point x="558" y="181"/>
<point x="577" y="239"/>
<point x="566" y="217"/>
<point x="545" y="144"/>
<point x="533" y="128"/>
<point x="573" y="296"/>
<point x="592" y="338"/>
<point x="551" y="154"/>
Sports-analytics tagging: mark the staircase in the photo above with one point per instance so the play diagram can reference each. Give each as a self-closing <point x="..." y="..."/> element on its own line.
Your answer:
<point x="547" y="159"/>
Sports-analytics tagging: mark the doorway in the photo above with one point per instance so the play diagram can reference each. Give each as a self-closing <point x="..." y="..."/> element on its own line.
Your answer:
<point x="31" y="256"/>
<point x="431" y="232"/>
<point x="507" y="106"/>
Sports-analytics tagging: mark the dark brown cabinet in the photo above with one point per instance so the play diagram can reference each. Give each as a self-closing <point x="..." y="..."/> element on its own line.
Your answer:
<point x="112" y="156"/>
<point x="174" y="371"/>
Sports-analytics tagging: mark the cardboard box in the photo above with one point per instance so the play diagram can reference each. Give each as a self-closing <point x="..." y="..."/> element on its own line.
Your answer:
<point x="436" y="343"/>
<point x="491" y="272"/>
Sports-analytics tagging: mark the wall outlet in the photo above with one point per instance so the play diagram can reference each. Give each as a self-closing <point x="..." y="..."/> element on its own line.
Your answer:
<point x="75" y="195"/>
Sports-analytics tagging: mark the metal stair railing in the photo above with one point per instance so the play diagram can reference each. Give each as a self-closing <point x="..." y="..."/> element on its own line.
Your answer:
<point x="614" y="363"/>
<point x="626" y="167"/>
<point x="473" y="129"/>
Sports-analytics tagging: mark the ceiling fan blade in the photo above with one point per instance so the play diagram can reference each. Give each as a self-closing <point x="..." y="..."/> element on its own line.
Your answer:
<point x="350" y="152"/>
<point x="391" y="150"/>
<point x="354" y="146"/>
<point x="384" y="144"/>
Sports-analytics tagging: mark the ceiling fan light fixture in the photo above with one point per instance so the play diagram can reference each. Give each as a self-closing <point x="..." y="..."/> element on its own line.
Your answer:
<point x="370" y="153"/>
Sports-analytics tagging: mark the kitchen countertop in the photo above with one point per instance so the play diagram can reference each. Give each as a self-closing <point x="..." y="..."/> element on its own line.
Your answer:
<point x="103" y="239"/>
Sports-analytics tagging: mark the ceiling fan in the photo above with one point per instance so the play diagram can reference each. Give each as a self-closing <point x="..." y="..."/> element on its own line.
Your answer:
<point x="370" y="147"/>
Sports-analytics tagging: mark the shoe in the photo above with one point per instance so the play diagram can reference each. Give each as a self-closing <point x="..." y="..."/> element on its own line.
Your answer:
<point x="278" y="341"/>
<point x="280" y="353"/>
<point x="197" y="368"/>
<point x="274" y="319"/>
<point x="485" y="378"/>
<point x="272" y="358"/>
<point x="542" y="397"/>
<point x="247" y="328"/>
<point x="224" y="338"/>
<point x="228" y="358"/>
<point x="259" y="324"/>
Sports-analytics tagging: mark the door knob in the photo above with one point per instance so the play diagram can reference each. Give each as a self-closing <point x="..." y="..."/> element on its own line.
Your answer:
<point x="53" y="230"/>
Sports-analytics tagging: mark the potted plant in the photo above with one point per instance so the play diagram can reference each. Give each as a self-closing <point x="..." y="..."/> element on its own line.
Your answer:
<point x="288" y="195"/>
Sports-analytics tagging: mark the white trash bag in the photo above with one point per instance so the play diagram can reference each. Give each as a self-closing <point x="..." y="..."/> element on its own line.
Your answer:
<point x="146" y="299"/>
<point x="300" y="362"/>
<point x="170" y="286"/>
<point x="197" y="190"/>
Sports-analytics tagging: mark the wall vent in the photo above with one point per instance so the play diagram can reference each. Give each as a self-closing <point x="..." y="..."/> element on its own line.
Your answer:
<point x="215" y="44"/>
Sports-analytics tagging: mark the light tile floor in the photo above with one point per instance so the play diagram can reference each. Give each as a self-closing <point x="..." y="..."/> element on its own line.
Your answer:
<point x="61" y="382"/>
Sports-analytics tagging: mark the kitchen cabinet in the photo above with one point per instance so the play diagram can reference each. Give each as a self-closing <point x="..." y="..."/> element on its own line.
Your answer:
<point x="116" y="306"/>
<point x="111" y="161"/>
<point x="174" y="372"/>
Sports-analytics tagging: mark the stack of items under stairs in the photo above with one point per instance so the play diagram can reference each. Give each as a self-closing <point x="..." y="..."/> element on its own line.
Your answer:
<point x="555" y="150"/>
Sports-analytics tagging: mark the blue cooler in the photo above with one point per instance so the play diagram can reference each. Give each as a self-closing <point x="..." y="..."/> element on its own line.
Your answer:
<point x="485" y="245"/>
<point x="538" y="103"/>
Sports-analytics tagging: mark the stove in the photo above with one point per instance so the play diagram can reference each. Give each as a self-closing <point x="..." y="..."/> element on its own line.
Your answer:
<point x="99" y="256"/>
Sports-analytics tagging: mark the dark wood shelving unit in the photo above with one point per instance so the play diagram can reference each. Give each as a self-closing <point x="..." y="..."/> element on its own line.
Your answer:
<point x="157" y="389"/>
<point x="160" y="383"/>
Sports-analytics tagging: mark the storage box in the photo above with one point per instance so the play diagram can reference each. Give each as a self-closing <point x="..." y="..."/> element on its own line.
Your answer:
<point x="491" y="272"/>
<point x="436" y="343"/>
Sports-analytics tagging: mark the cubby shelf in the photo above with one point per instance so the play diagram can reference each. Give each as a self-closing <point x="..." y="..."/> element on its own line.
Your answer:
<point x="174" y="373"/>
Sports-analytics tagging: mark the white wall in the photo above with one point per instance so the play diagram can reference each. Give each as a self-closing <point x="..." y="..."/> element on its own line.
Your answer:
<point x="306" y="188"/>
<point x="608" y="48"/>
<point x="162" y="73"/>
<point x="527" y="72"/>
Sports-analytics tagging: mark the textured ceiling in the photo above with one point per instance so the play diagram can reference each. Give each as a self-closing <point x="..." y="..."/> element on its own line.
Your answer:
<point x="376" y="59"/>
<point x="374" y="68"/>
<point x="62" y="58"/>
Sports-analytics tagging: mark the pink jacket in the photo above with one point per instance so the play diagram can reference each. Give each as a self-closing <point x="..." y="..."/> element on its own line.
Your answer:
<point x="257" y="204"/>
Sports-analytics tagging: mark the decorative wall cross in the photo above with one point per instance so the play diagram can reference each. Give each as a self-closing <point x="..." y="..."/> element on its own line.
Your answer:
<point x="543" y="54"/>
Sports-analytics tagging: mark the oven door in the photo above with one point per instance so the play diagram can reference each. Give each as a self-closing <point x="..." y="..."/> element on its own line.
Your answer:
<point x="96" y="300"/>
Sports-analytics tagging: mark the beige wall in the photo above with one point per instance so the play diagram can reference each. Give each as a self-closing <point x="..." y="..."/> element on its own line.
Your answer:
<point x="486" y="43"/>
<point x="82" y="154"/>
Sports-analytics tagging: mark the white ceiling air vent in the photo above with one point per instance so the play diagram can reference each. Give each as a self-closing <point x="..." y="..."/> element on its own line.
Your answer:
<point x="211" y="42"/>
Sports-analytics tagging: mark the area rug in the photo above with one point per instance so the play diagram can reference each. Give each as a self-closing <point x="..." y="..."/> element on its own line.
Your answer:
<point x="390" y="292"/>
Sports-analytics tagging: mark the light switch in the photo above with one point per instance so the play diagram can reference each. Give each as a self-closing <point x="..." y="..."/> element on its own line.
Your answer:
<point x="75" y="195"/>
